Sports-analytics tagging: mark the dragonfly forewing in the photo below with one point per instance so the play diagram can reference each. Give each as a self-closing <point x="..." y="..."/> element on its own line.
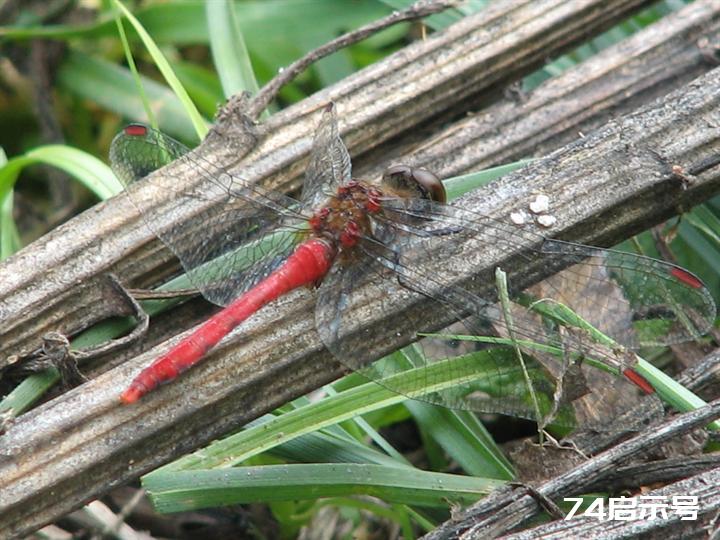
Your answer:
<point x="227" y="233"/>
<point x="329" y="165"/>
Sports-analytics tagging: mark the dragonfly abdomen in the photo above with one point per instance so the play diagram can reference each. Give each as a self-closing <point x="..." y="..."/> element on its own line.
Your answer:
<point x="308" y="264"/>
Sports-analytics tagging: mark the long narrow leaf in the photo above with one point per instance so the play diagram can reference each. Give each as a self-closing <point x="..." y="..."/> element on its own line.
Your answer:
<point x="230" y="54"/>
<point x="343" y="406"/>
<point x="9" y="237"/>
<point x="464" y="438"/>
<point x="192" y="490"/>
<point x="459" y="185"/>
<point x="87" y="169"/>
<point x="163" y="65"/>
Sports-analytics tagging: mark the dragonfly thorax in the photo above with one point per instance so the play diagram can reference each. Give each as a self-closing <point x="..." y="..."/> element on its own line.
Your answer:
<point x="345" y="218"/>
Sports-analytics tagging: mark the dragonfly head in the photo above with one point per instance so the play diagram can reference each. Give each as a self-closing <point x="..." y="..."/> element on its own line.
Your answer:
<point x="415" y="183"/>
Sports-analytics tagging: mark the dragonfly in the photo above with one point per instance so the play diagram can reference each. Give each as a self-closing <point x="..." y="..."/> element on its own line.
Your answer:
<point x="243" y="247"/>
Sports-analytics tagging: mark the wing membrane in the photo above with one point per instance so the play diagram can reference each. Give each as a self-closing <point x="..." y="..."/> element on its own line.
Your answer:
<point x="557" y="362"/>
<point x="227" y="233"/>
<point x="329" y="165"/>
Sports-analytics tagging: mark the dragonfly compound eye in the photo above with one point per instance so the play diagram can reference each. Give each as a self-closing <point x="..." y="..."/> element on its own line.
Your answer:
<point x="430" y="185"/>
<point x="397" y="176"/>
<point x="416" y="183"/>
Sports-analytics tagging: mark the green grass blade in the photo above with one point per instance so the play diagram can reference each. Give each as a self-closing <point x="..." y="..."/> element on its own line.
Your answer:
<point x="203" y="86"/>
<point x="9" y="236"/>
<point x="671" y="391"/>
<point x="371" y="432"/>
<point x="229" y="52"/>
<point x="332" y="410"/>
<point x="136" y="75"/>
<point x="192" y="490"/>
<point x="163" y="65"/>
<point x="464" y="438"/>
<point x="459" y="185"/>
<point x="325" y="447"/>
<point x="702" y="219"/>
<point x="84" y="167"/>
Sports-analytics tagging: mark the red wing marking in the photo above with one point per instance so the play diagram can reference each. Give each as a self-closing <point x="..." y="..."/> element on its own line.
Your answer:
<point x="136" y="130"/>
<point x="686" y="277"/>
<point x="639" y="381"/>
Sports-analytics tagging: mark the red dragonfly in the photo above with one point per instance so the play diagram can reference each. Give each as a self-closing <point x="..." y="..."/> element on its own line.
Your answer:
<point x="244" y="246"/>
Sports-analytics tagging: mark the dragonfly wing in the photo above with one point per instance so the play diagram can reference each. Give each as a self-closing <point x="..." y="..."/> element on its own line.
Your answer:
<point x="227" y="233"/>
<point x="558" y="378"/>
<point x="624" y="294"/>
<point x="329" y="164"/>
<point x="435" y="371"/>
<point x="662" y="302"/>
<point x="138" y="150"/>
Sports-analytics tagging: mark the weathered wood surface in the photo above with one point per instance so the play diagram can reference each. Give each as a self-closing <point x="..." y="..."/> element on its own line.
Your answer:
<point x="82" y="444"/>
<point x="626" y="75"/>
